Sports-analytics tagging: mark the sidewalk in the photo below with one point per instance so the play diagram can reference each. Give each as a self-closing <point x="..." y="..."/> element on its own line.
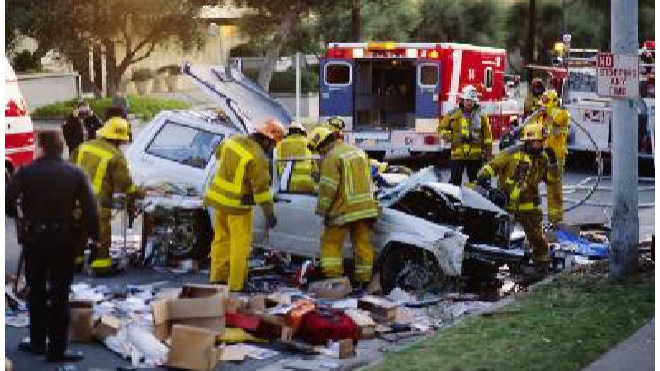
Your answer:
<point x="635" y="353"/>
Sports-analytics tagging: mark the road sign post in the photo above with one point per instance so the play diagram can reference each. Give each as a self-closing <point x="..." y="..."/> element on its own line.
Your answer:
<point x="622" y="84"/>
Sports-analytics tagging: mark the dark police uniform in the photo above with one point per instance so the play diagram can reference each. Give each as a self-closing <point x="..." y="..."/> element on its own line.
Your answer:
<point x="49" y="190"/>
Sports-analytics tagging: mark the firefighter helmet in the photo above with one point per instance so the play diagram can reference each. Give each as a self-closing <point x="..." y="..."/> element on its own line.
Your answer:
<point x="533" y="132"/>
<point x="114" y="129"/>
<point x="336" y="124"/>
<point x="296" y="126"/>
<point x="470" y="93"/>
<point x="550" y="99"/>
<point x="271" y="129"/>
<point x="320" y="137"/>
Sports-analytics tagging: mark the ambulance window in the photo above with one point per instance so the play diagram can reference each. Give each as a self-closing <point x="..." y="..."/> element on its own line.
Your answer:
<point x="338" y="73"/>
<point x="428" y="75"/>
<point x="488" y="78"/>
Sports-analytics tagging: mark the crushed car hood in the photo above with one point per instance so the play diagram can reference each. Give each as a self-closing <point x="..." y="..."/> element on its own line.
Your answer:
<point x="428" y="177"/>
<point x="222" y="84"/>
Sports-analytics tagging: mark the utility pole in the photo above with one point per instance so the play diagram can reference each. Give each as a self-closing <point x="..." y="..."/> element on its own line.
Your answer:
<point x="625" y="218"/>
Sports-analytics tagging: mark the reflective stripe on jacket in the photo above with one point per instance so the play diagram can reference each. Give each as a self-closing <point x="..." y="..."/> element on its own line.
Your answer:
<point x="345" y="189"/>
<point x="106" y="167"/>
<point x="301" y="178"/>
<point x="242" y="177"/>
<point x="518" y="175"/>
<point x="470" y="138"/>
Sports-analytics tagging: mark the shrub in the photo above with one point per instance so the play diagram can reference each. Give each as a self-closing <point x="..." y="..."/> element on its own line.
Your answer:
<point x="144" y="108"/>
<point x="285" y="81"/>
<point x="26" y="61"/>
<point x="142" y="74"/>
<point x="171" y="70"/>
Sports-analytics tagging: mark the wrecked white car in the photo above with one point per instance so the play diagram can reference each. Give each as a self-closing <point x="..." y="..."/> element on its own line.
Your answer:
<point x="423" y="235"/>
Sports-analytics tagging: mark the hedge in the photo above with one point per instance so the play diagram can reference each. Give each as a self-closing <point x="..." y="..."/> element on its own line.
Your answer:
<point x="144" y="108"/>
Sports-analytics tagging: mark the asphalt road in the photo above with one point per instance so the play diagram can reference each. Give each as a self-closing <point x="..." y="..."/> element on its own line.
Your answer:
<point x="98" y="356"/>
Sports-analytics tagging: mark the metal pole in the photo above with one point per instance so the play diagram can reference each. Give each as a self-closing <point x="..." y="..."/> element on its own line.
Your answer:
<point x="625" y="219"/>
<point x="298" y="87"/>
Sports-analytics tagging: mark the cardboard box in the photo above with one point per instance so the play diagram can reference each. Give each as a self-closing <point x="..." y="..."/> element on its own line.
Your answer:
<point x="346" y="349"/>
<point x="334" y="288"/>
<point x="193" y="348"/>
<point x="81" y="322"/>
<point x="106" y="326"/>
<point x="381" y="309"/>
<point x="197" y="305"/>
<point x="364" y="322"/>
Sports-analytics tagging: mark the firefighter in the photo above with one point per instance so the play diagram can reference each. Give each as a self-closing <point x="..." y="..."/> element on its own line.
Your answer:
<point x="242" y="180"/>
<point x="520" y="169"/>
<point x="105" y="164"/>
<point x="48" y="189"/>
<point x="556" y="123"/>
<point x="295" y="145"/>
<point x="468" y="131"/>
<point x="346" y="203"/>
<point x="337" y="125"/>
<point x="533" y="98"/>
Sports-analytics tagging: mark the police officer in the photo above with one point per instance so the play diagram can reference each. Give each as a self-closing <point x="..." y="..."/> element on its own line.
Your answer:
<point x="49" y="189"/>
<point x="468" y="131"/>
<point x="519" y="170"/>
<point x="105" y="164"/>
<point x="346" y="202"/>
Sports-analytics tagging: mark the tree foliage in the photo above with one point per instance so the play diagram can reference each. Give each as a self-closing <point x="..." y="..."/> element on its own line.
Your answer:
<point x="132" y="28"/>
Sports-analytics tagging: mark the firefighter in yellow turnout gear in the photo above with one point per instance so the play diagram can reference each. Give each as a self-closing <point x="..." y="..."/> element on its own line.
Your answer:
<point x="533" y="99"/>
<point x="106" y="166"/>
<point x="556" y="122"/>
<point x="520" y="169"/>
<point x="468" y="131"/>
<point x="242" y="180"/>
<point x="295" y="145"/>
<point x="347" y="204"/>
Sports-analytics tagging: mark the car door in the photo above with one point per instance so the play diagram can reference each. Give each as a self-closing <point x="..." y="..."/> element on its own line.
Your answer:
<point x="298" y="229"/>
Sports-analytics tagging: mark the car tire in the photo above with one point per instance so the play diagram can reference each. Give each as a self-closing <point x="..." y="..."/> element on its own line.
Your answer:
<point x="411" y="269"/>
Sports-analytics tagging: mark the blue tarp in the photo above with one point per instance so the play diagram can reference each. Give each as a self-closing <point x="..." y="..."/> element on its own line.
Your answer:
<point x="574" y="244"/>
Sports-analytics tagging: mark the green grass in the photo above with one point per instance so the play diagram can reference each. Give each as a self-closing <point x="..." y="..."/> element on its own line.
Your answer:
<point x="565" y="325"/>
<point x="144" y="108"/>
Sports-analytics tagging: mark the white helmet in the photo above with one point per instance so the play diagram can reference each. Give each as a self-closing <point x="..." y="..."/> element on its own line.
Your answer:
<point x="298" y="126"/>
<point x="470" y="93"/>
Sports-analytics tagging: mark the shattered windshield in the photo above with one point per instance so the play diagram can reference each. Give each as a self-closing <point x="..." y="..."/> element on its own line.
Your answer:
<point x="184" y="144"/>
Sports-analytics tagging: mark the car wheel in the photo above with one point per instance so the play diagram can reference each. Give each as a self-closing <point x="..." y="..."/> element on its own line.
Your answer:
<point x="411" y="269"/>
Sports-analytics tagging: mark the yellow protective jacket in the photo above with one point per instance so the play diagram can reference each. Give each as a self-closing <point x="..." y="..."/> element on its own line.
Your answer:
<point x="471" y="138"/>
<point x="519" y="175"/>
<point x="301" y="178"/>
<point x="107" y="169"/>
<point x="242" y="177"/>
<point x="532" y="103"/>
<point x="345" y="189"/>
<point x="557" y="126"/>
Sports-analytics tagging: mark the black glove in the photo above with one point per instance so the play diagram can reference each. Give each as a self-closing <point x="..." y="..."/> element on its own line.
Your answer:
<point x="271" y="221"/>
<point x="552" y="157"/>
<point x="484" y="182"/>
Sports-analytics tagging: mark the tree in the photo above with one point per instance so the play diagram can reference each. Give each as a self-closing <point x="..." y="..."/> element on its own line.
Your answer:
<point x="128" y="30"/>
<point x="477" y="22"/>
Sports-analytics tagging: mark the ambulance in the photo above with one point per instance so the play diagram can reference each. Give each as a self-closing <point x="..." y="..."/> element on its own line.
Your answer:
<point x="391" y="95"/>
<point x="19" y="132"/>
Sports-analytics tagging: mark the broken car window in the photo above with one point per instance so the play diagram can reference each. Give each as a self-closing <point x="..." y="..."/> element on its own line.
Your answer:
<point x="184" y="144"/>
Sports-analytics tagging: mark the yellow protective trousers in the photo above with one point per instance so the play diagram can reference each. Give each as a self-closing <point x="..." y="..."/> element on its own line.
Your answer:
<point x="230" y="248"/>
<point x="102" y="262"/>
<point x="332" y="243"/>
<point x="531" y="223"/>
<point x="555" y="197"/>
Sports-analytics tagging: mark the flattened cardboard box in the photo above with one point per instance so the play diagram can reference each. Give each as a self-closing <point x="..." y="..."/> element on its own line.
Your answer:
<point x="381" y="309"/>
<point x="81" y="323"/>
<point x="197" y="305"/>
<point x="193" y="348"/>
